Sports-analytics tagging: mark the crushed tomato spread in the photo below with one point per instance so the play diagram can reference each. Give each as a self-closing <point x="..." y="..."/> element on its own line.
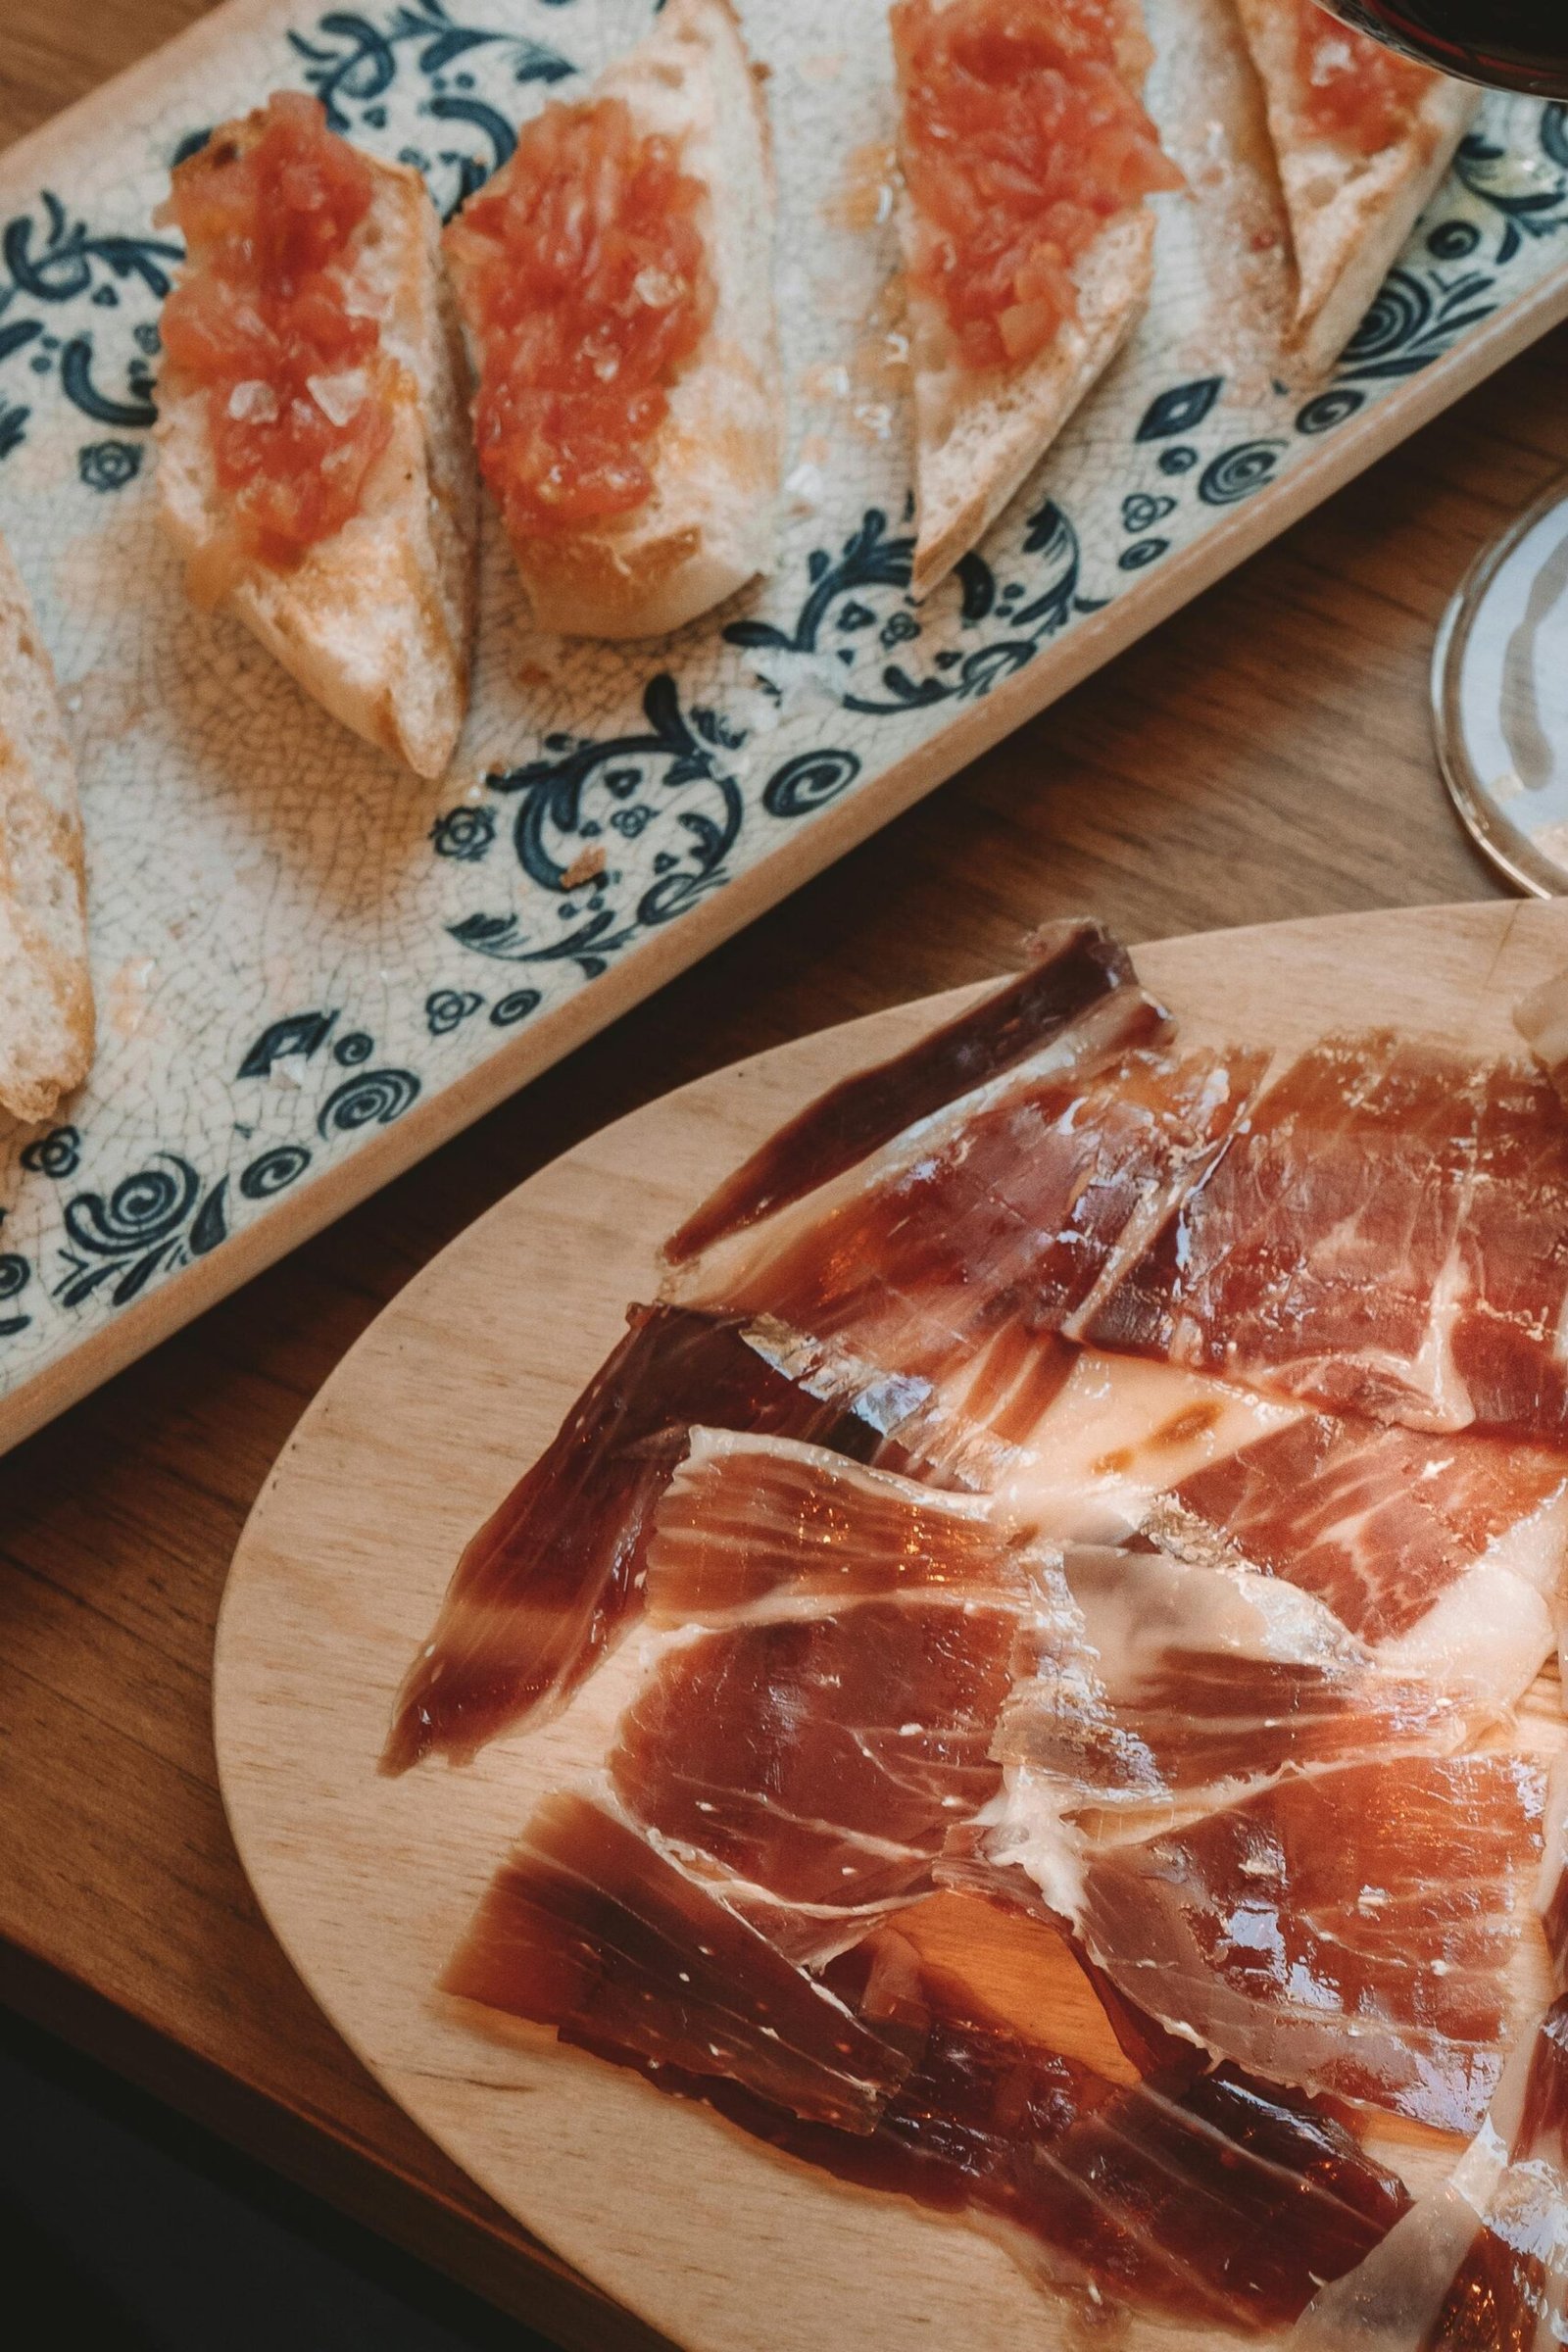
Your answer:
<point x="584" y="276"/>
<point x="1359" y="93"/>
<point x="296" y="381"/>
<point x="1023" y="135"/>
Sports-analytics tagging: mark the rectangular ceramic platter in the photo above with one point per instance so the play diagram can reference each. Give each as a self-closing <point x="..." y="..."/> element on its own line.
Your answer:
<point x="311" y="968"/>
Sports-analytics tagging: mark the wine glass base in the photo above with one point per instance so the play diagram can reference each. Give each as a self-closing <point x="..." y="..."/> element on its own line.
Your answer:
<point x="1499" y="700"/>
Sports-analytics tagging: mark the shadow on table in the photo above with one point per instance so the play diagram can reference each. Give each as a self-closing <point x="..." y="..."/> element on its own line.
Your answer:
<point x="134" y="2230"/>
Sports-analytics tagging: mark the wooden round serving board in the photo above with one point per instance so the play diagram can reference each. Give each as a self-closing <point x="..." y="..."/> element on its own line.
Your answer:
<point x="417" y="1436"/>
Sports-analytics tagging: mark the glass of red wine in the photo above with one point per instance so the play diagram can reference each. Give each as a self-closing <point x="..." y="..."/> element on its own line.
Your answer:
<point x="1507" y="44"/>
<point x="1499" y="677"/>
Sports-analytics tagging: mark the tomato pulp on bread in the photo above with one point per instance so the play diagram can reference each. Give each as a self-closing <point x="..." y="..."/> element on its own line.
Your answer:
<point x="296" y="381"/>
<point x="583" y="272"/>
<point x="1023" y="135"/>
<point x="1358" y="95"/>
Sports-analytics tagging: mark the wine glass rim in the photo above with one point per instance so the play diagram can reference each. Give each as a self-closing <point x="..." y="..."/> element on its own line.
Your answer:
<point x="1501" y="841"/>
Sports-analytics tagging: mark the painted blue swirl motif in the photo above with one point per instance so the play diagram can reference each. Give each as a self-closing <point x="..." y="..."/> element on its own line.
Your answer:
<point x="109" y="464"/>
<point x="574" y="808"/>
<point x="1450" y="285"/>
<point x="465" y="834"/>
<point x="363" y="1099"/>
<point x="352" y="63"/>
<point x="165" y="1214"/>
<point x="447" y="1009"/>
<point x="15" y="1276"/>
<point x="154" y="1220"/>
<point x="274" y="1171"/>
<point x="809" y="781"/>
<point x="1528" y="205"/>
<point x="49" y="263"/>
<point x="371" y="1098"/>
<point x="857" y="611"/>
<point x="57" y="1154"/>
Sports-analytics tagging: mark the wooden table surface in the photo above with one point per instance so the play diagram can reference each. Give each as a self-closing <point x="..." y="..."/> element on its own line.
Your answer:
<point x="1264" y="754"/>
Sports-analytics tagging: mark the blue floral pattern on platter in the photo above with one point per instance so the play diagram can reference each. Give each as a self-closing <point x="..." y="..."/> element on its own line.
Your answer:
<point x="295" y="944"/>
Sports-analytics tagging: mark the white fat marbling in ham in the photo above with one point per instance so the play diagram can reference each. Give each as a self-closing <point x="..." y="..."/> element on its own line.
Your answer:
<point x="1367" y="1931"/>
<point x="996" y="1222"/>
<point x="1186" y="1686"/>
<point x="1108" y="1435"/>
<point x="1382" y="1233"/>
<point x="1481" y="2264"/>
<point x="823" y="1712"/>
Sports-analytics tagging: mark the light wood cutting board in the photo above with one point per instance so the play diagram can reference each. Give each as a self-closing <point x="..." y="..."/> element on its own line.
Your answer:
<point x="421" y="1432"/>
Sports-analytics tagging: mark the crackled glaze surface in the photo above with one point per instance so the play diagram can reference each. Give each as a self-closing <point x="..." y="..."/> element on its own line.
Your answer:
<point x="298" y="947"/>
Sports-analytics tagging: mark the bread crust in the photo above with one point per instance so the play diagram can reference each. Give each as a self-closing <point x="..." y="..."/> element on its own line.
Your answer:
<point x="978" y="440"/>
<point x="980" y="433"/>
<point x="712" y="521"/>
<point x="376" y="623"/>
<point x="1349" y="214"/>
<point x="47" y="1020"/>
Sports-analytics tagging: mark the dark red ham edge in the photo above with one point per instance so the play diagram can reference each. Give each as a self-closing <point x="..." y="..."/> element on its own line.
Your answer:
<point x="1071" y="964"/>
<point x="551" y="1581"/>
<point x="1014" y="1216"/>
<point x="1504" y="2296"/>
<point x="1205" y="2196"/>
<point x="588" y="1928"/>
<point x="1458" y="2277"/>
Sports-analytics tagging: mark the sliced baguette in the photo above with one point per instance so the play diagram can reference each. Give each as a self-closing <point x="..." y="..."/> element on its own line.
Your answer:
<point x="980" y="433"/>
<point x="978" y="437"/>
<point x="377" y="621"/>
<point x="1349" y="214"/>
<point x="46" y="1009"/>
<point x="712" y="521"/>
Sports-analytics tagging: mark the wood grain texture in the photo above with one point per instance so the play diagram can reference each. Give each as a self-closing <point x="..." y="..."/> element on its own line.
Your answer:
<point x="453" y="1392"/>
<point x="1266" y="754"/>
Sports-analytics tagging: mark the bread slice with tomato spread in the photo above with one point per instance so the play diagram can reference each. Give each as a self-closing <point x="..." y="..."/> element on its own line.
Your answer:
<point x="1012" y="322"/>
<point x="46" y="1008"/>
<point x="616" y="277"/>
<point x="369" y="595"/>
<point x="1364" y="139"/>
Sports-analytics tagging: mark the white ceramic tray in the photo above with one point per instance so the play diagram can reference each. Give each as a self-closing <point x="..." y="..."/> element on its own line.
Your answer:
<point x="311" y="968"/>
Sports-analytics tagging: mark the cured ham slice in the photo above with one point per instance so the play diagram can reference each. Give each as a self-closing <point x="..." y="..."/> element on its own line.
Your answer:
<point x="1442" y="1552"/>
<point x="590" y="1930"/>
<point x="1108" y="2160"/>
<point x="1382" y="1234"/>
<point x="1377" y="1521"/>
<point x="1366" y="1931"/>
<point x="996" y="1228"/>
<point x="828" y="1714"/>
<point x="1181" y="1686"/>
<point x="1085" y="1455"/>
<point x="1551" y="1888"/>
<point x="1199" y="2195"/>
<point x="1482" y="2264"/>
<point x="551" y="1581"/>
<point x="1071" y="966"/>
<point x="1145" y="2180"/>
<point x="752" y="1529"/>
<point x="1508" y="1338"/>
